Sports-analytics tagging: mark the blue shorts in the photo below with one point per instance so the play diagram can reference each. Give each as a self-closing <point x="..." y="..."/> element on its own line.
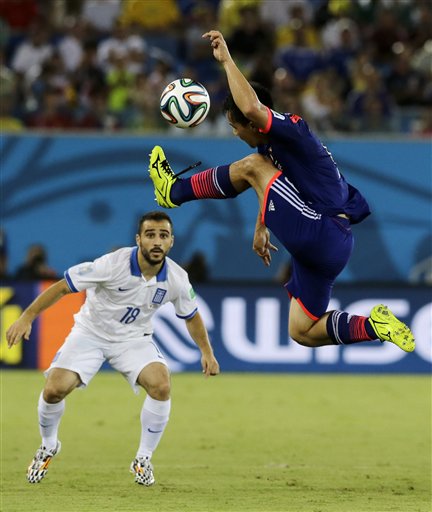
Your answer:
<point x="320" y="246"/>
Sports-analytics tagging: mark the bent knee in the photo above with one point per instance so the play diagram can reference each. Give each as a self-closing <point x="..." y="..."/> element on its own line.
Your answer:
<point x="53" y="394"/>
<point x="249" y="166"/>
<point x="160" y="391"/>
<point x="301" y="337"/>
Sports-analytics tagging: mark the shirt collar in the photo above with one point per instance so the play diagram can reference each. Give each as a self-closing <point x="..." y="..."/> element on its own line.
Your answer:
<point x="136" y="271"/>
<point x="162" y="274"/>
<point x="134" y="267"/>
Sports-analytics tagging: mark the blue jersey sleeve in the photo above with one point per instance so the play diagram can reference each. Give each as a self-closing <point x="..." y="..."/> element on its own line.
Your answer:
<point x="286" y="126"/>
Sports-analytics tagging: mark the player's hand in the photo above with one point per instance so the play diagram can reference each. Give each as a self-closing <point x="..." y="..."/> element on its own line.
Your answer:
<point x="210" y="365"/>
<point x="218" y="43"/>
<point x="17" y="331"/>
<point x="262" y="245"/>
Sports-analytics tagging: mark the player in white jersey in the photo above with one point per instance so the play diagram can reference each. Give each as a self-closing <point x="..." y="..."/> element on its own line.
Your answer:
<point x="123" y="291"/>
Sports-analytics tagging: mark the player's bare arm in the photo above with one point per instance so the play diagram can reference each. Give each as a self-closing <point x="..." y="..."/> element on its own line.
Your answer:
<point x="21" y="328"/>
<point x="261" y="242"/>
<point x="242" y="92"/>
<point x="198" y="333"/>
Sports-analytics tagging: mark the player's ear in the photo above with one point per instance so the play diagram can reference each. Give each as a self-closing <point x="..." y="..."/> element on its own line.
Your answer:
<point x="172" y="240"/>
<point x="137" y="238"/>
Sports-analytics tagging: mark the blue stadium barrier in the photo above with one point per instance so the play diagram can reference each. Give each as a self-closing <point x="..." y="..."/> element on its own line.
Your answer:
<point x="80" y="196"/>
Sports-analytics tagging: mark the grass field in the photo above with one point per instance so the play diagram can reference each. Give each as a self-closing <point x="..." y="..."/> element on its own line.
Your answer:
<point x="235" y="443"/>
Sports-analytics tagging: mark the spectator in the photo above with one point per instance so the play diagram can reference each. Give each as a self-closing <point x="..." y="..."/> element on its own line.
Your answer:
<point x="120" y="82"/>
<point x="371" y="108"/>
<point x="35" y="266"/>
<point x="251" y="37"/>
<point x="299" y="59"/>
<point x="32" y="53"/>
<point x="421" y="24"/>
<point x="298" y="20"/>
<point x="70" y="46"/>
<point x="340" y="32"/>
<point x="197" y="268"/>
<point x="101" y="14"/>
<point x="93" y="115"/>
<point x="9" y="120"/>
<point x="196" y="53"/>
<point x="145" y="104"/>
<point x="280" y="13"/>
<point x="230" y="13"/>
<point x="19" y="14"/>
<point x="88" y="79"/>
<point x="320" y="99"/>
<point x="404" y="83"/>
<point x="53" y="113"/>
<point x="153" y="15"/>
<point x="390" y="37"/>
<point x="119" y="45"/>
<point x="386" y="31"/>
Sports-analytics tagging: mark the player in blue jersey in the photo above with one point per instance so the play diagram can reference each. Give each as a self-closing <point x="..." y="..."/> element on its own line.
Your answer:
<point x="303" y="200"/>
<point x="124" y="289"/>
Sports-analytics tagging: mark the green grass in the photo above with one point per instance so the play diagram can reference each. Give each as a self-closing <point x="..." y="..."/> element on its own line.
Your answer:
<point x="234" y="443"/>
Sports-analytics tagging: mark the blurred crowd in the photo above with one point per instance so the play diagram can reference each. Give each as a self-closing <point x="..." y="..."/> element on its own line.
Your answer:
<point x="349" y="66"/>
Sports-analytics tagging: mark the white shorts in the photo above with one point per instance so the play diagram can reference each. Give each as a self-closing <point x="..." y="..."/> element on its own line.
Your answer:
<point x="84" y="353"/>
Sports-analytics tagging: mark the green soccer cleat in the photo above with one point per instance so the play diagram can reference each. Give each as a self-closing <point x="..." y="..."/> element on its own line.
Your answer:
<point x="39" y="465"/>
<point x="388" y="328"/>
<point x="142" y="468"/>
<point x="162" y="176"/>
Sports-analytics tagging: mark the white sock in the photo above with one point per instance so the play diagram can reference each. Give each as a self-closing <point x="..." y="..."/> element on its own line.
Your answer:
<point x="154" y="418"/>
<point x="49" y="421"/>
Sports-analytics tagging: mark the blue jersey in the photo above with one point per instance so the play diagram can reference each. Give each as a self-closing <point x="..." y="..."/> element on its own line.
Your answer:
<point x="310" y="168"/>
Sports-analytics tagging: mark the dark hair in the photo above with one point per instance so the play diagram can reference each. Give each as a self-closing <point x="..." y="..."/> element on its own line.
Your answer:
<point x="236" y="114"/>
<point x="157" y="216"/>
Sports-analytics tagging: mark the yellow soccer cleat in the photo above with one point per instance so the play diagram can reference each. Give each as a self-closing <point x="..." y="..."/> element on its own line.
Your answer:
<point x="162" y="176"/>
<point x="388" y="328"/>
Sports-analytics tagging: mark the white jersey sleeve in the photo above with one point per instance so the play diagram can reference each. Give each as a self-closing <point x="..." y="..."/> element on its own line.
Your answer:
<point x="89" y="274"/>
<point x="185" y="300"/>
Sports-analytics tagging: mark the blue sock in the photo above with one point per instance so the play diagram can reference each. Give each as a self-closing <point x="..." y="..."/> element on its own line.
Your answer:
<point x="345" y="329"/>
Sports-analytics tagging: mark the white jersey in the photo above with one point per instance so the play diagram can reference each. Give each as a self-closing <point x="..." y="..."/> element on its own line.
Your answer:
<point x="120" y="303"/>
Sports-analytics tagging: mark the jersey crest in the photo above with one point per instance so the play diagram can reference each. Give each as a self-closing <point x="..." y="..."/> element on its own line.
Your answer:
<point x="159" y="296"/>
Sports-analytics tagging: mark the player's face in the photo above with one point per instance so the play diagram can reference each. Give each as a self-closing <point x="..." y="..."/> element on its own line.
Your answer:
<point x="155" y="240"/>
<point x="247" y="133"/>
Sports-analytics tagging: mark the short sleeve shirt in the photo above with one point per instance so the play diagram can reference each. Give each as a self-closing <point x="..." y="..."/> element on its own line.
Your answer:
<point x="120" y="303"/>
<point x="302" y="158"/>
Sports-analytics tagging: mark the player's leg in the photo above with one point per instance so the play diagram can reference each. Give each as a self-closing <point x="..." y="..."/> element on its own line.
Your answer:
<point x="221" y="182"/>
<point x="155" y="379"/>
<point x="342" y="328"/>
<point x="144" y="366"/>
<point x="74" y="365"/>
<point x="310" y="287"/>
<point x="51" y="407"/>
<point x="314" y="332"/>
<point x="322" y="246"/>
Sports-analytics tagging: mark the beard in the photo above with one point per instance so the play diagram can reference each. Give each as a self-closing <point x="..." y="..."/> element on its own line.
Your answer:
<point x="153" y="257"/>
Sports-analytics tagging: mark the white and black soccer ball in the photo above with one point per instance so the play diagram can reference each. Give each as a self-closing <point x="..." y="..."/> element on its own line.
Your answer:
<point x="185" y="103"/>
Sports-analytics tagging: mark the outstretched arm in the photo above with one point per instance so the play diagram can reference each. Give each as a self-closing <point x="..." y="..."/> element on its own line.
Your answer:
<point x="21" y="328"/>
<point x="198" y="333"/>
<point x="243" y="94"/>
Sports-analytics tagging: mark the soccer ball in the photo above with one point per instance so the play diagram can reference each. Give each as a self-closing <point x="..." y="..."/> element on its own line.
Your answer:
<point x="185" y="103"/>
